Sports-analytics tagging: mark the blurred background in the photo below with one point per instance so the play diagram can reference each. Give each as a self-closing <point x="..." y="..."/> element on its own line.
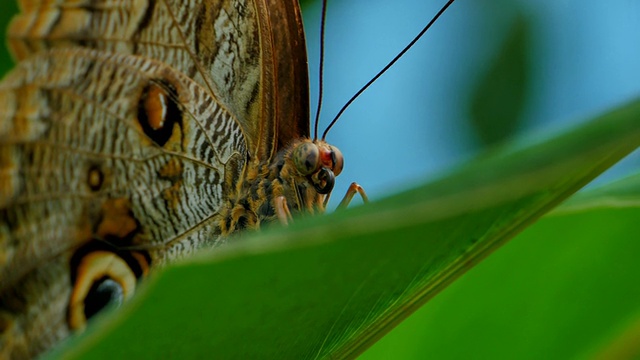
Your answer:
<point x="487" y="71"/>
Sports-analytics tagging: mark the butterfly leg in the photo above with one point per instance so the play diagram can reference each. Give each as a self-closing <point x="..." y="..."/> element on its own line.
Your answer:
<point x="282" y="210"/>
<point x="351" y="192"/>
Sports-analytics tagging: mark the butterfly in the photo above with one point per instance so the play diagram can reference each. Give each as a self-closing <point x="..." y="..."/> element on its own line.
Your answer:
<point x="133" y="133"/>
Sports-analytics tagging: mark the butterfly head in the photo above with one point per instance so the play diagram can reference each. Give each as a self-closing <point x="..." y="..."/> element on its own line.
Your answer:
<point x="319" y="162"/>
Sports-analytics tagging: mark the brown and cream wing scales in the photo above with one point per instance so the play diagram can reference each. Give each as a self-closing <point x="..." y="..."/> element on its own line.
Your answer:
<point x="127" y="132"/>
<point x="250" y="55"/>
<point x="100" y="149"/>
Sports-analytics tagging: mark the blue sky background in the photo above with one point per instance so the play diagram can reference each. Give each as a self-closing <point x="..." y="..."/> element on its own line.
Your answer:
<point x="414" y="123"/>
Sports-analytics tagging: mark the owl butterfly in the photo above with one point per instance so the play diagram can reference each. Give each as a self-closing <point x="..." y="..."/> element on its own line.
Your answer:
<point x="135" y="132"/>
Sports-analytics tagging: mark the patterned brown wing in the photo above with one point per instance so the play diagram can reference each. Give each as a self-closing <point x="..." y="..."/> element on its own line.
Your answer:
<point x="125" y="135"/>
<point x="249" y="53"/>
<point x="101" y="154"/>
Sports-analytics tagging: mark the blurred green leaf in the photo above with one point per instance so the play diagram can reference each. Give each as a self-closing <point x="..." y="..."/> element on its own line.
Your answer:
<point x="330" y="286"/>
<point x="501" y="93"/>
<point x="7" y="10"/>
<point x="564" y="288"/>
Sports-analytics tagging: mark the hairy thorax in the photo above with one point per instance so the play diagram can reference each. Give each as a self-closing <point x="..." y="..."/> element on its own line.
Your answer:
<point x="296" y="181"/>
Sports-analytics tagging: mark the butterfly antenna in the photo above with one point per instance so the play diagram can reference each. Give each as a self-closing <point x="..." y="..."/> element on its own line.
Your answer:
<point x="321" y="68"/>
<point x="390" y="64"/>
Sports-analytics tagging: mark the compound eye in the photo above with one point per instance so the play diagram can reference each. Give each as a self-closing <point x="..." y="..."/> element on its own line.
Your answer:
<point x="338" y="160"/>
<point x="103" y="279"/>
<point x="306" y="158"/>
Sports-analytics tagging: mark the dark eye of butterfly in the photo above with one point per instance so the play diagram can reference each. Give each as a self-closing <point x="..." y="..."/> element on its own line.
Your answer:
<point x="102" y="278"/>
<point x="158" y="111"/>
<point x="102" y="293"/>
<point x="306" y="158"/>
<point x="337" y="159"/>
<point x="95" y="178"/>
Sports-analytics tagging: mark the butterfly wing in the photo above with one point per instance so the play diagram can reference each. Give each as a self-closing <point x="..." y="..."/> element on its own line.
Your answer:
<point x="130" y="148"/>
<point x="251" y="55"/>
<point x="89" y="168"/>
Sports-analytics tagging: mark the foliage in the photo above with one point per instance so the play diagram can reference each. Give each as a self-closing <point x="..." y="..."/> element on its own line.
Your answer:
<point x="330" y="286"/>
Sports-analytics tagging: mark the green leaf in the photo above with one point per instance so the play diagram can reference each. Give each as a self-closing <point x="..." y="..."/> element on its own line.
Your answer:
<point x="564" y="288"/>
<point x="501" y="93"/>
<point x="330" y="286"/>
<point x="7" y="10"/>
